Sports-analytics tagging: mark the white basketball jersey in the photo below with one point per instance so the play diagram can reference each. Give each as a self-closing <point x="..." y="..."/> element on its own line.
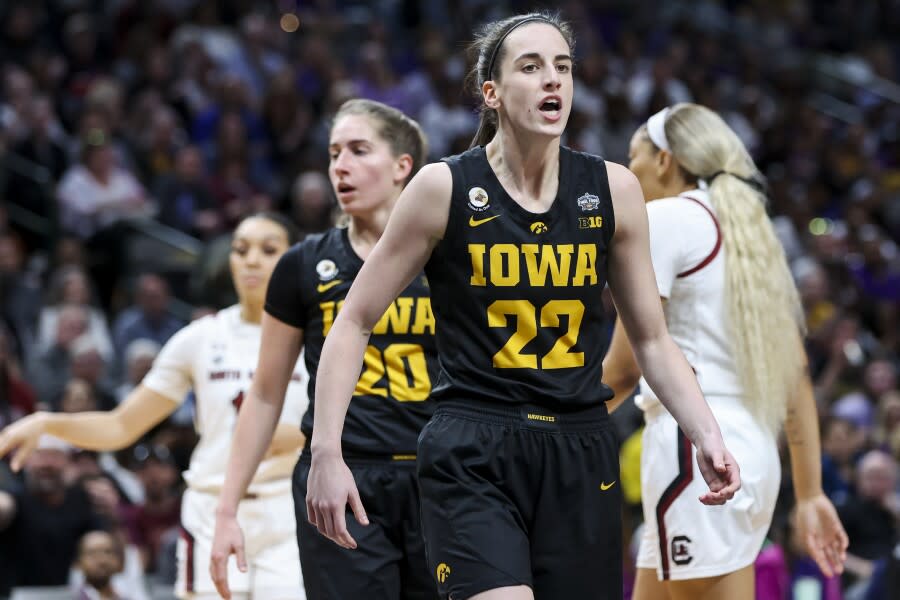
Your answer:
<point x="689" y="261"/>
<point x="216" y="356"/>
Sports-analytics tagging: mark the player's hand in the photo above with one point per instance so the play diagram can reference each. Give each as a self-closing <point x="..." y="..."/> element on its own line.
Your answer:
<point x="227" y="540"/>
<point x="329" y="488"/>
<point x="22" y="437"/>
<point x="819" y="528"/>
<point x="719" y="470"/>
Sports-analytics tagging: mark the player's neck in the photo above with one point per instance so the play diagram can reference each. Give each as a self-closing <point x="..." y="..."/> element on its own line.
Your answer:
<point x="251" y="313"/>
<point x="527" y="169"/>
<point x="364" y="231"/>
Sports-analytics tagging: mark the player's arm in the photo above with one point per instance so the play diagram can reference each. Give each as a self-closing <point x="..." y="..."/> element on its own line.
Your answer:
<point x="95" y="430"/>
<point x="416" y="225"/>
<point x="637" y="299"/>
<point x="818" y="524"/>
<point x="620" y="368"/>
<point x="279" y="348"/>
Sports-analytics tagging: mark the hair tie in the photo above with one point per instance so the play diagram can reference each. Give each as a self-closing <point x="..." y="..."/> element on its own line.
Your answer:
<point x="752" y="182"/>
<point x="541" y="18"/>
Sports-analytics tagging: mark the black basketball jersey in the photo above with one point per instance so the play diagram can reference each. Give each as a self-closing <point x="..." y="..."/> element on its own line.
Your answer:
<point x="517" y="295"/>
<point x="391" y="403"/>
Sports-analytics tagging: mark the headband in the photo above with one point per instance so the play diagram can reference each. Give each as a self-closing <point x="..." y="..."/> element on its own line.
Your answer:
<point x="656" y="129"/>
<point x="542" y="19"/>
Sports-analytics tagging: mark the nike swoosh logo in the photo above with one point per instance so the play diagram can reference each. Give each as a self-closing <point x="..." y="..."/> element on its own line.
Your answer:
<point x="473" y="222"/>
<point x="324" y="287"/>
<point x="605" y="486"/>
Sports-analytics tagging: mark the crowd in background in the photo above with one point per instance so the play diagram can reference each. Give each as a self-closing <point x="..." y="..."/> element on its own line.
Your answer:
<point x="194" y="113"/>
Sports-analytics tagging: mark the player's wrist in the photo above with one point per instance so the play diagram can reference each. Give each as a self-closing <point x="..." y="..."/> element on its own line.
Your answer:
<point x="226" y="510"/>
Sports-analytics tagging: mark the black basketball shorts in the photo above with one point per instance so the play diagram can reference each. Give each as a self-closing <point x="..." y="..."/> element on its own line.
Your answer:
<point x="521" y="496"/>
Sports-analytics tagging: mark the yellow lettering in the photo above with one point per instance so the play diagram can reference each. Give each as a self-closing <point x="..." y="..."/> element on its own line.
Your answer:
<point x="510" y="276"/>
<point x="547" y="418"/>
<point x="327" y="316"/>
<point x="585" y="265"/>
<point x="395" y="318"/>
<point x="373" y="372"/>
<point x="476" y="253"/>
<point x="559" y="270"/>
<point x="424" y="318"/>
<point x="329" y="310"/>
<point x="396" y="357"/>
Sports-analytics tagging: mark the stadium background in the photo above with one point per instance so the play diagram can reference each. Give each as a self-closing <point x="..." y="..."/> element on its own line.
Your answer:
<point x="203" y="111"/>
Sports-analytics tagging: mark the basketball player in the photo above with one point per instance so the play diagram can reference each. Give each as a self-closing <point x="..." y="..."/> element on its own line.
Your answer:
<point x="374" y="151"/>
<point x="519" y="466"/>
<point x="732" y="307"/>
<point x="212" y="356"/>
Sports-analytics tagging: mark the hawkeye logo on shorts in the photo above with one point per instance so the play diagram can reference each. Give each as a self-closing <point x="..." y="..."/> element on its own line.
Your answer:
<point x="539" y="227"/>
<point x="326" y="269"/>
<point x="590" y="222"/>
<point x="443" y="572"/>
<point x="545" y="418"/>
<point x="588" y="202"/>
<point x="478" y="199"/>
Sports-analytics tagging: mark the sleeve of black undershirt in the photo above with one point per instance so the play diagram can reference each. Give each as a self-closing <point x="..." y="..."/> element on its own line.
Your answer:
<point x="284" y="297"/>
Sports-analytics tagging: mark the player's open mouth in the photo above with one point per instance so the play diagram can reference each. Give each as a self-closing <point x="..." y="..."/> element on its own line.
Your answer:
<point x="551" y="107"/>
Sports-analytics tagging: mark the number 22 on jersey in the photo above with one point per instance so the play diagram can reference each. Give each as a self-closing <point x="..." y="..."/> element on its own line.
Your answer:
<point x="511" y="356"/>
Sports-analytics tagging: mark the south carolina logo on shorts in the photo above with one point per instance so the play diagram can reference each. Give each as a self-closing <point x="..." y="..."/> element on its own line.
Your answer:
<point x="478" y="199"/>
<point x="326" y="269"/>
<point x="442" y="572"/>
<point x="681" y="550"/>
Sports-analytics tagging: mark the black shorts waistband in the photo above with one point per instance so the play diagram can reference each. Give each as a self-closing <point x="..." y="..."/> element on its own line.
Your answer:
<point x="530" y="415"/>
<point x="366" y="459"/>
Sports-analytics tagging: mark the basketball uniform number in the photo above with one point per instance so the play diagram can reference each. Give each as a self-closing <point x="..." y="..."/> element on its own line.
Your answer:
<point x="511" y="356"/>
<point x="406" y="370"/>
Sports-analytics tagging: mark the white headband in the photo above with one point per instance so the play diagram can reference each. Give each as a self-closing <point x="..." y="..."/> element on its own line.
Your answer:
<point x="656" y="129"/>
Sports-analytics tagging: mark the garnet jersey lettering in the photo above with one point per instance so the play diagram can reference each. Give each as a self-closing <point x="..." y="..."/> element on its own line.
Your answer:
<point x="391" y="401"/>
<point x="518" y="298"/>
<point x="216" y="356"/>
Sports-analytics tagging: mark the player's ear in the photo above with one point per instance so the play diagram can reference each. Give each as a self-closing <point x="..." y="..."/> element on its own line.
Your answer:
<point x="489" y="91"/>
<point x="664" y="162"/>
<point x="403" y="165"/>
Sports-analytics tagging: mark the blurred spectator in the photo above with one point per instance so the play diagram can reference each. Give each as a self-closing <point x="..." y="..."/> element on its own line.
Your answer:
<point x="139" y="357"/>
<point x="870" y="514"/>
<point x="841" y="441"/>
<point x="48" y="369"/>
<point x="87" y="363"/>
<point x="99" y="558"/>
<point x="40" y="527"/>
<point x="312" y="203"/>
<point x="44" y="149"/>
<point x="288" y="118"/>
<point x="20" y="294"/>
<point x="17" y="399"/>
<point x="149" y="317"/>
<point x="70" y="286"/>
<point x="159" y="143"/>
<point x="78" y="396"/>
<point x="161" y="512"/>
<point x="95" y="193"/>
<point x="185" y="200"/>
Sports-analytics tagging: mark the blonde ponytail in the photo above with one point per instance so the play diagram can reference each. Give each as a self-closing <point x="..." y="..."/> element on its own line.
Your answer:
<point x="764" y="310"/>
